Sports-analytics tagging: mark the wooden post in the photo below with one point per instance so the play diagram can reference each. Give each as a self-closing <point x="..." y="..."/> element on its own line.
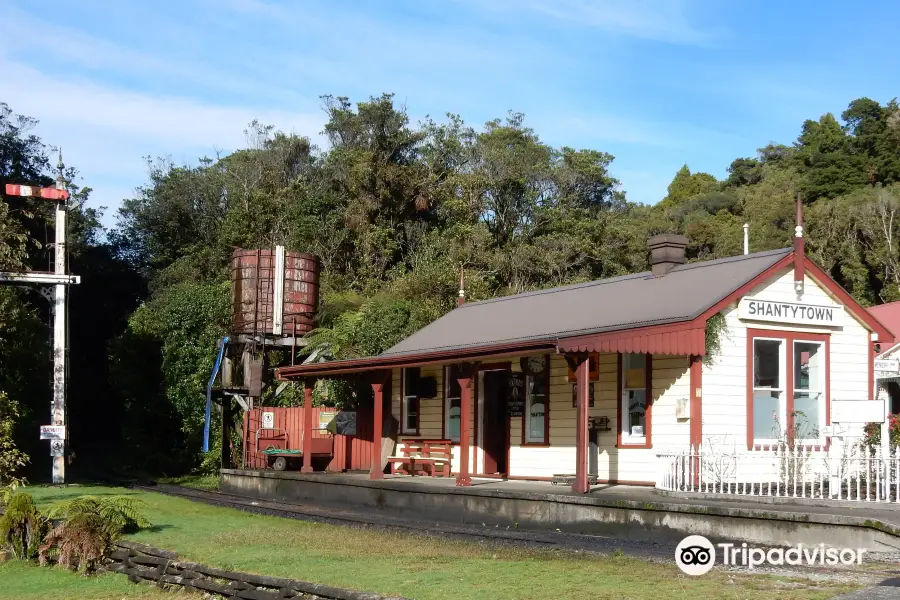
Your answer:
<point x="377" y="469"/>
<point x="465" y="403"/>
<point x="582" y="381"/>
<point x="307" y="428"/>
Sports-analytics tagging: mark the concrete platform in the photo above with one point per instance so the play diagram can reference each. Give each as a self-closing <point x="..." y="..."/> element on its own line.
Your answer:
<point x="610" y="510"/>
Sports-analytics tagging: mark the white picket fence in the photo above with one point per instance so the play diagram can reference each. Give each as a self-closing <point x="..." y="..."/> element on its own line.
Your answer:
<point x="849" y="471"/>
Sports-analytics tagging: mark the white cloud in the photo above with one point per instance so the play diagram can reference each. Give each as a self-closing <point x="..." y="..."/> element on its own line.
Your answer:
<point x="658" y="20"/>
<point x="106" y="132"/>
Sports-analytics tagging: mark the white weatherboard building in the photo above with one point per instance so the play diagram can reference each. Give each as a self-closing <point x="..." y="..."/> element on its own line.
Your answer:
<point x="743" y="371"/>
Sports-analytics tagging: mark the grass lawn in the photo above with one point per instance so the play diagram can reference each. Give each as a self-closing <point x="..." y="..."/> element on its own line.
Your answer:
<point x="27" y="581"/>
<point x="422" y="567"/>
<point x="201" y="482"/>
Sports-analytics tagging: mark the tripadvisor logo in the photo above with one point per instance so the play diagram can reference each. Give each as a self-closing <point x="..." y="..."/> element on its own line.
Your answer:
<point x="696" y="555"/>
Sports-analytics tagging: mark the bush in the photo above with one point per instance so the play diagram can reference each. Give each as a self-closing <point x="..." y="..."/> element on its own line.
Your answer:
<point x="872" y="433"/>
<point x="22" y="527"/>
<point x="91" y="527"/>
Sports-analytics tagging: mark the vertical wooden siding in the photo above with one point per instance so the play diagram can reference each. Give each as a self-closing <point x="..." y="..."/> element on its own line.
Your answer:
<point x="351" y="452"/>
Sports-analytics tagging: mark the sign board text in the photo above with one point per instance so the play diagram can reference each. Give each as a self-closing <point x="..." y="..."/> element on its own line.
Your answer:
<point x="790" y="312"/>
<point x="53" y="432"/>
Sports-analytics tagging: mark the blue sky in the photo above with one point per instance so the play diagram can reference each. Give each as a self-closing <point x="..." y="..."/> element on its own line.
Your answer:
<point x="657" y="83"/>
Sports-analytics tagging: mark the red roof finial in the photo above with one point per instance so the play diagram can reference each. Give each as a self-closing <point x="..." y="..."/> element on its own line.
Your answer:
<point x="799" y="250"/>
<point x="462" y="287"/>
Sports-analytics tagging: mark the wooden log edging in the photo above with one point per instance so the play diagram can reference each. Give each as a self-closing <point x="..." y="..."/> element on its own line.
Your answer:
<point x="146" y="563"/>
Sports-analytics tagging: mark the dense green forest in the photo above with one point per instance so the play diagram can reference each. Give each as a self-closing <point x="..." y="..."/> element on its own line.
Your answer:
<point x="394" y="210"/>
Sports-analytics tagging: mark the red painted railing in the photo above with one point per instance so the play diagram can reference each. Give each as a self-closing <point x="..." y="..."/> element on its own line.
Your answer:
<point x="351" y="452"/>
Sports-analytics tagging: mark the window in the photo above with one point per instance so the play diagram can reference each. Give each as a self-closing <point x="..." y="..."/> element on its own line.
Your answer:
<point x="452" y="398"/>
<point x="788" y="387"/>
<point x="536" y="409"/>
<point x="410" y="401"/>
<point x="768" y="389"/>
<point x="809" y="389"/>
<point x="634" y="410"/>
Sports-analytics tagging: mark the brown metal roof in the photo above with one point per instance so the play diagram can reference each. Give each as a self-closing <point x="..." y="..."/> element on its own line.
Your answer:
<point x="606" y="305"/>
<point x="535" y="320"/>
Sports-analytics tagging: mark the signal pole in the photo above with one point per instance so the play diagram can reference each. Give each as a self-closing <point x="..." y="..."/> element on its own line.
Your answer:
<point x="56" y="433"/>
<point x="60" y="346"/>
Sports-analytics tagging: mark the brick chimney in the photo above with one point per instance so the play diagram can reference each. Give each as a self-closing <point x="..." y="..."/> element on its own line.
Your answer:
<point x="666" y="252"/>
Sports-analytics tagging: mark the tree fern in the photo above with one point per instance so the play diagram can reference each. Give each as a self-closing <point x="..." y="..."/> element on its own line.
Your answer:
<point x="118" y="514"/>
<point x="91" y="526"/>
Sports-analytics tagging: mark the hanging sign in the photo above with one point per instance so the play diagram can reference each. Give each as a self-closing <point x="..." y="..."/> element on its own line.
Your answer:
<point x="53" y="432"/>
<point x="790" y="312"/>
<point x="268" y="420"/>
<point x="515" y="395"/>
<point x="887" y="367"/>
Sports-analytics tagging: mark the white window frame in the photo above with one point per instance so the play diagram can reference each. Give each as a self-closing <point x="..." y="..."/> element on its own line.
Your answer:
<point x="404" y="406"/>
<point x="448" y="371"/>
<point x="821" y="389"/>
<point x="781" y="389"/>
<point x="529" y="400"/>
<point x="626" y="437"/>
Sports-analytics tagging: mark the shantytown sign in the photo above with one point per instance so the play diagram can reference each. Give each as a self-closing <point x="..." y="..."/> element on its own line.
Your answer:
<point x="752" y="309"/>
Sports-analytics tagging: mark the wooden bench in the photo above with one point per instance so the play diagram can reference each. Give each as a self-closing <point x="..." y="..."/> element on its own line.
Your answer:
<point x="431" y="457"/>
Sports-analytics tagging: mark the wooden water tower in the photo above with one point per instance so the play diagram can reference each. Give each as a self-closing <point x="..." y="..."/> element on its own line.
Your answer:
<point x="274" y="298"/>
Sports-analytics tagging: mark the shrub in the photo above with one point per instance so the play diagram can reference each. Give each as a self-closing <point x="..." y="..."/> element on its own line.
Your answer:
<point x="872" y="433"/>
<point x="22" y="527"/>
<point x="92" y="524"/>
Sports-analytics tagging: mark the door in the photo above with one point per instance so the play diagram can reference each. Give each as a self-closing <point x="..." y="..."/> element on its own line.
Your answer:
<point x="496" y="427"/>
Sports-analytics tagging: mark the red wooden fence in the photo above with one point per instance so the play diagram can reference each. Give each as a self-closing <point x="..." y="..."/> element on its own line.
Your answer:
<point x="351" y="452"/>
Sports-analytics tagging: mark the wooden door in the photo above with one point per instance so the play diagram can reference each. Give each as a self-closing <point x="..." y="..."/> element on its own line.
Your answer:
<point x="494" y="436"/>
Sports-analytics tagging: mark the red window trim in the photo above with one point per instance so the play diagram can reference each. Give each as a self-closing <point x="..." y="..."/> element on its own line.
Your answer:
<point x="789" y="338"/>
<point x="648" y="416"/>
<point x="403" y="430"/>
<point x="546" y="441"/>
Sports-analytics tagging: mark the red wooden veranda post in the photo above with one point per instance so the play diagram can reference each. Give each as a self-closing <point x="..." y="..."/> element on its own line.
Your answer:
<point x="582" y="375"/>
<point x="465" y="403"/>
<point x="307" y="428"/>
<point x="377" y="469"/>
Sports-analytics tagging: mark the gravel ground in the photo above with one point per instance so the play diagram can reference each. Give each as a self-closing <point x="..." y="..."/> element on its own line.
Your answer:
<point x="880" y="570"/>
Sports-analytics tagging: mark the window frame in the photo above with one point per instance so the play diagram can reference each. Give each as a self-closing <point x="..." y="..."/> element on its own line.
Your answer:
<point x="526" y="417"/>
<point x="445" y="404"/>
<point x="783" y="361"/>
<point x="822" y="385"/>
<point x="404" y="406"/>
<point x="789" y="338"/>
<point x="622" y="440"/>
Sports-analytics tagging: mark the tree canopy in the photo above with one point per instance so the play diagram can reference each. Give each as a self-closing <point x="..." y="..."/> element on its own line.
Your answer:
<point x="395" y="211"/>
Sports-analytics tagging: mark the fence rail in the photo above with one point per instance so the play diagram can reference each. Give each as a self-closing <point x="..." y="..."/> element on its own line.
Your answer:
<point x="848" y="471"/>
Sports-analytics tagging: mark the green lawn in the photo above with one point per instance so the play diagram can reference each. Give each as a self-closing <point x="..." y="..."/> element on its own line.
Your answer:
<point x="27" y="581"/>
<point x="200" y="482"/>
<point x="422" y="567"/>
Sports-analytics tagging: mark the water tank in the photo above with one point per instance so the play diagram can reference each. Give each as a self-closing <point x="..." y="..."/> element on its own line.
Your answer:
<point x="259" y="278"/>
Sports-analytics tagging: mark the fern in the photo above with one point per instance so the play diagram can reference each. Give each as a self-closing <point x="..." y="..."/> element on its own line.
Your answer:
<point x="118" y="514"/>
<point x="92" y="524"/>
<point x="22" y="527"/>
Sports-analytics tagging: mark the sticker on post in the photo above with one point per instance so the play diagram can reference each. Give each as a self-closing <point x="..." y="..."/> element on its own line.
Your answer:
<point x="57" y="448"/>
<point x="53" y="432"/>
